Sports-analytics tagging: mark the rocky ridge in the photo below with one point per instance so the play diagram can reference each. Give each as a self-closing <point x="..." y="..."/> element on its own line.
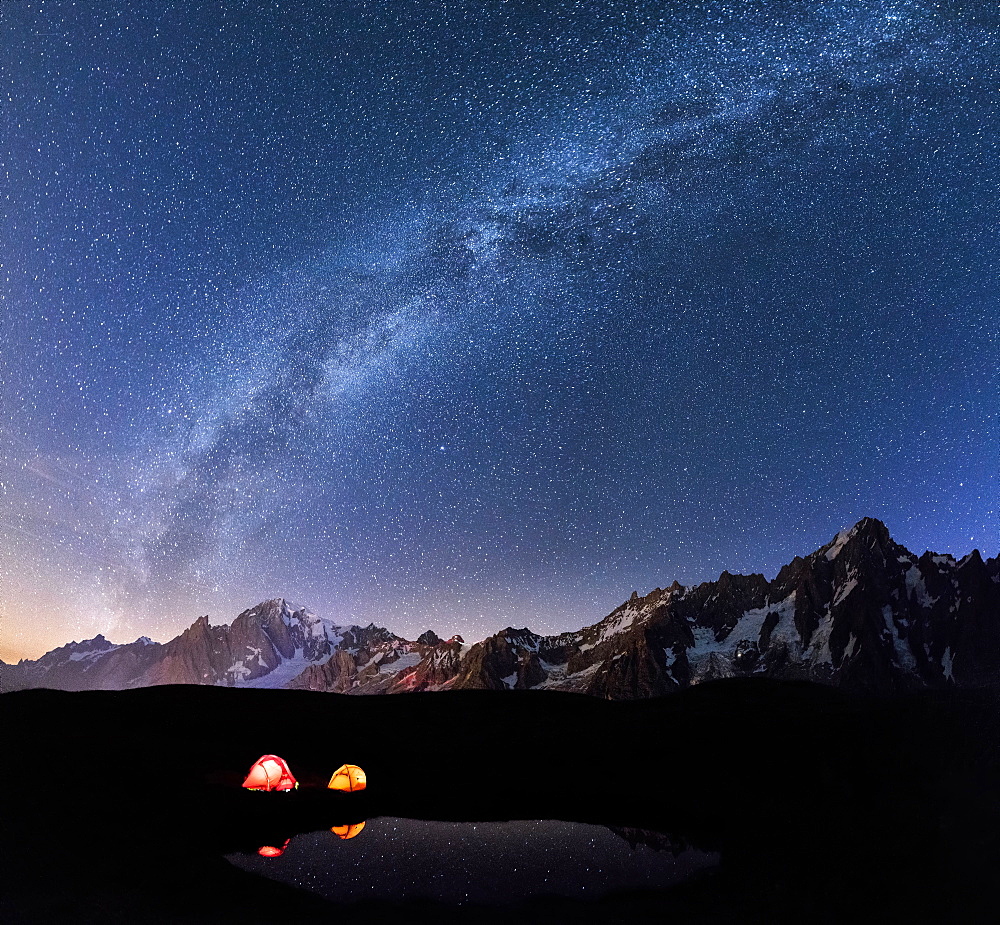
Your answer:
<point x="861" y="612"/>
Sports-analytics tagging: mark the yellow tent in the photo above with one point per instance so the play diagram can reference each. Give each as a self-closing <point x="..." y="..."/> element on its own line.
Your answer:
<point x="348" y="777"/>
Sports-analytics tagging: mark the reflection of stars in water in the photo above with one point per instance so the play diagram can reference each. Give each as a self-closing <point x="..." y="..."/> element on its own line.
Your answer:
<point x="466" y="316"/>
<point x="502" y="862"/>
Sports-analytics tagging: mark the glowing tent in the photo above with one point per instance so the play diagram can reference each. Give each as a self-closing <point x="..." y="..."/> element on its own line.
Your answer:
<point x="347" y="831"/>
<point x="347" y="777"/>
<point x="269" y="772"/>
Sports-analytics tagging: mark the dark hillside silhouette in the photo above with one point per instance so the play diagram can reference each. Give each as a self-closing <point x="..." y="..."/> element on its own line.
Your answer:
<point x="824" y="805"/>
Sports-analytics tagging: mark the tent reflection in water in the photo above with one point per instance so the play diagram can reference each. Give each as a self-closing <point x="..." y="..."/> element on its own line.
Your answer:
<point x="268" y="851"/>
<point x="269" y="772"/>
<point x="347" y="831"/>
<point x="348" y="777"/>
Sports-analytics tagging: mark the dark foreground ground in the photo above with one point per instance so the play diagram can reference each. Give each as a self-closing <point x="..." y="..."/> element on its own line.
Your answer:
<point x="119" y="807"/>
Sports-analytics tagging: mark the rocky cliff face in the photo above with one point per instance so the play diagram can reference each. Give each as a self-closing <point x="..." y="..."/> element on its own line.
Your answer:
<point x="94" y="664"/>
<point x="862" y="612"/>
<point x="386" y="666"/>
<point x="275" y="644"/>
<point x="265" y="646"/>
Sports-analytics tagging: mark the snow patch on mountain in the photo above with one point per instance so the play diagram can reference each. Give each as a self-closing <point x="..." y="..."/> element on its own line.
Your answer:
<point x="818" y="650"/>
<point x="559" y="679"/>
<point x="839" y="542"/>
<point x="91" y="653"/>
<point x="618" y="623"/>
<point x="239" y="671"/>
<point x="785" y="631"/>
<point x="711" y="655"/>
<point x="947" y="663"/>
<point x="844" y="591"/>
<point x="916" y="589"/>
<point x="904" y="656"/>
<point x="405" y="662"/>
<point x="283" y="673"/>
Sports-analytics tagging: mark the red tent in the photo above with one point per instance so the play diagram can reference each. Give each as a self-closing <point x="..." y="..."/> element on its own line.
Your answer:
<point x="269" y="772"/>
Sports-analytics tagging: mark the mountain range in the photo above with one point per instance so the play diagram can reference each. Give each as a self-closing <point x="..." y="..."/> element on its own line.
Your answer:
<point x="861" y="612"/>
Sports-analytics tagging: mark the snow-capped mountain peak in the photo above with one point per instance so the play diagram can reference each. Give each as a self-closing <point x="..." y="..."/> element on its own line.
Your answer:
<point x="860" y="611"/>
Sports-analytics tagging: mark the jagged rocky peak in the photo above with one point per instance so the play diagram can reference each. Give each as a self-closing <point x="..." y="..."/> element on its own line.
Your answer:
<point x="973" y="558"/>
<point x="371" y="660"/>
<point x="521" y="637"/>
<point x="868" y="533"/>
<point x="718" y="604"/>
<point x="430" y="638"/>
<point x="865" y="547"/>
<point x="861" y="611"/>
<point x="279" y="609"/>
<point x="86" y="649"/>
<point x="294" y="631"/>
<point x="97" y="644"/>
<point x="367" y="637"/>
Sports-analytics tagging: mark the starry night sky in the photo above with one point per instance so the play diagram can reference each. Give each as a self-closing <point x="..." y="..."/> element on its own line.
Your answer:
<point x="467" y="314"/>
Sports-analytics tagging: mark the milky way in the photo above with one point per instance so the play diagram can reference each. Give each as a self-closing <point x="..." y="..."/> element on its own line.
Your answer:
<point x="468" y="315"/>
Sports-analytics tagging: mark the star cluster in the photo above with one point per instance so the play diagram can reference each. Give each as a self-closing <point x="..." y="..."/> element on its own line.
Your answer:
<point x="464" y="315"/>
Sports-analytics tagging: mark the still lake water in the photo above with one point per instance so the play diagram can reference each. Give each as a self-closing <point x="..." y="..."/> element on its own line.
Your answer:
<point x="395" y="859"/>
